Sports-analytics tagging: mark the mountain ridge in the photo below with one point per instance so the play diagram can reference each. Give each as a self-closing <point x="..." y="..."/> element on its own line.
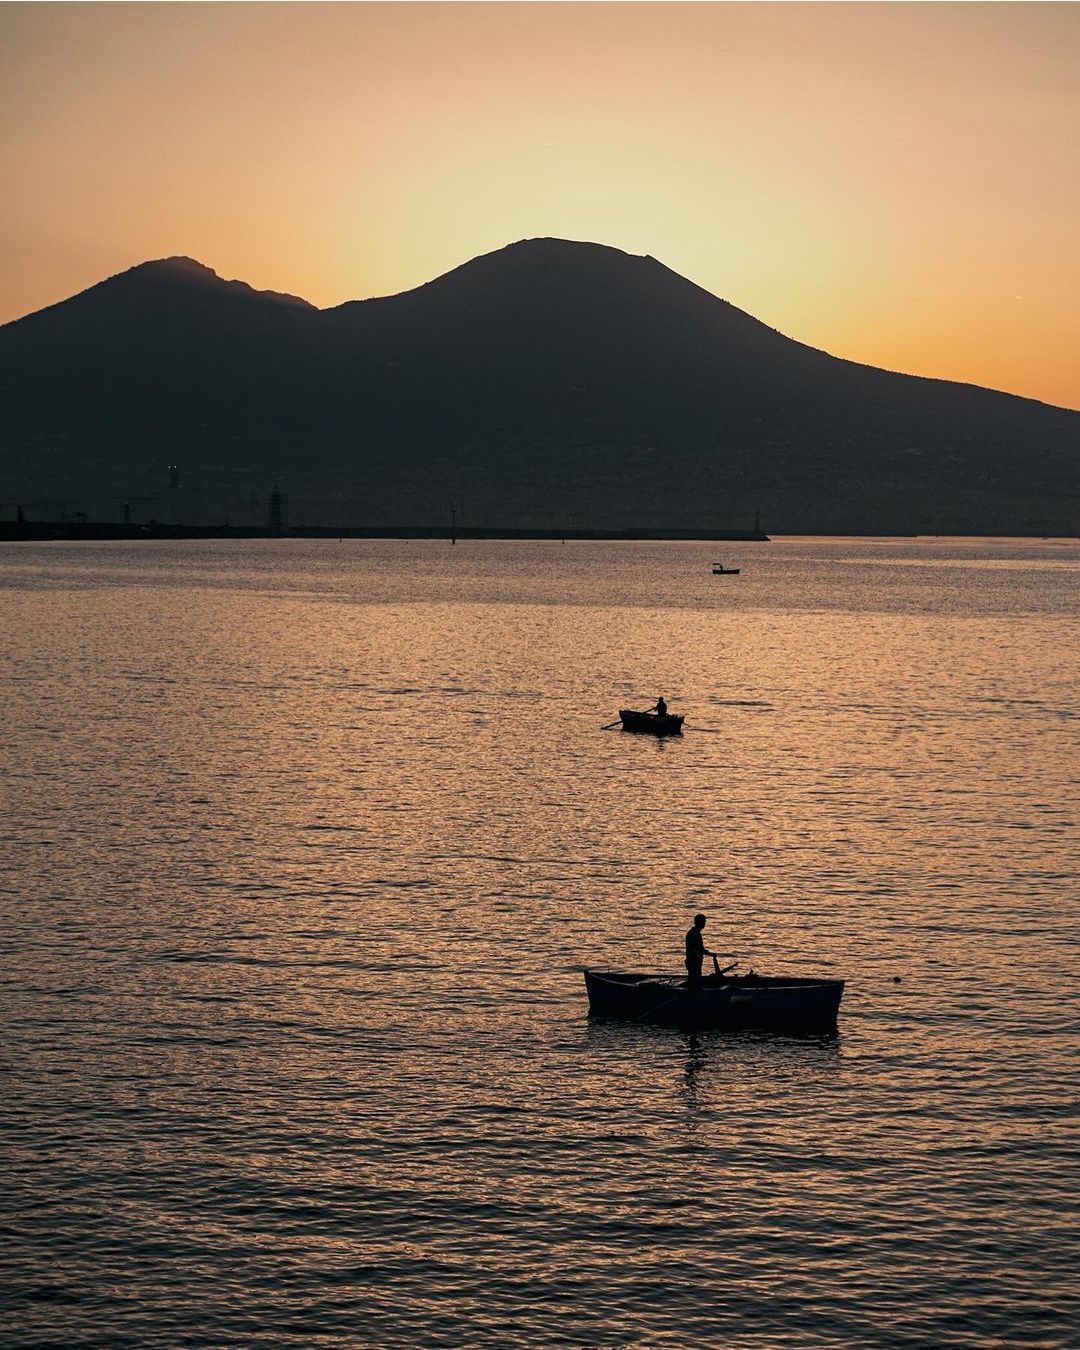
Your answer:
<point x="185" y="267"/>
<point x="545" y="377"/>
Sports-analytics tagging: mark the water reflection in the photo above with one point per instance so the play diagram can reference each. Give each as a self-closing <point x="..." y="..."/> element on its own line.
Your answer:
<point x="711" y="1073"/>
<point x="808" y="1053"/>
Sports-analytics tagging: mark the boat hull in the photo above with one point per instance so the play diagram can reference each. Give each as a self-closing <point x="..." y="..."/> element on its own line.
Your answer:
<point x="755" y="1001"/>
<point x="668" y="725"/>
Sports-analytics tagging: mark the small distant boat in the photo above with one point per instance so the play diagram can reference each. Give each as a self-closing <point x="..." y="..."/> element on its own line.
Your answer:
<point x="719" y="571"/>
<point x="776" y="1001"/>
<point x="670" y="724"/>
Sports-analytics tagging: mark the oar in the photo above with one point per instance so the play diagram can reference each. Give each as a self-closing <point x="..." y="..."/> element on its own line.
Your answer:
<point x="611" y="724"/>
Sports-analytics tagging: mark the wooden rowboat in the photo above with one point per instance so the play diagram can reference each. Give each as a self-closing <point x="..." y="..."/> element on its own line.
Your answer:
<point x="719" y="571"/>
<point x="668" y="725"/>
<point x="777" y="1001"/>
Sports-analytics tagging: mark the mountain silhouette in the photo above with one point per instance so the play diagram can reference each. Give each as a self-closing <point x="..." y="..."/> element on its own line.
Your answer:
<point x="547" y="384"/>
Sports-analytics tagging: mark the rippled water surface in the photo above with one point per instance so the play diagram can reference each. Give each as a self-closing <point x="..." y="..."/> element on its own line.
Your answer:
<point x="305" y="845"/>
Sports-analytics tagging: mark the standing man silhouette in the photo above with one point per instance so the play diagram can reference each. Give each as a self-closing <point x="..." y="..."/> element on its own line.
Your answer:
<point x="696" y="952"/>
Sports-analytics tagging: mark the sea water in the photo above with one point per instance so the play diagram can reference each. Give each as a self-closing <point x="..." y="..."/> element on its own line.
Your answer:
<point x="305" y="845"/>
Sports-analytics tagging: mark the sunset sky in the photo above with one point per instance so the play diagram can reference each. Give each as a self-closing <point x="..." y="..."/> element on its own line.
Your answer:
<point x="898" y="184"/>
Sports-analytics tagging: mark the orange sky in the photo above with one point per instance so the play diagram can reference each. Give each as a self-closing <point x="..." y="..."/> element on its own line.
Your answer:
<point x="899" y="184"/>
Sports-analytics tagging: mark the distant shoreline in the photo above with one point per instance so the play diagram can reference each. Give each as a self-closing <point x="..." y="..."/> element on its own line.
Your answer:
<point x="33" y="530"/>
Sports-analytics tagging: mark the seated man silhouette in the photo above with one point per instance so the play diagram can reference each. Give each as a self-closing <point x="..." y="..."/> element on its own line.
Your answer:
<point x="696" y="952"/>
<point x="660" y="707"/>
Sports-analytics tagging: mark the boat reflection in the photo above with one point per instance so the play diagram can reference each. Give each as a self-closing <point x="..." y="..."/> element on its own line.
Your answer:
<point x="717" y="1074"/>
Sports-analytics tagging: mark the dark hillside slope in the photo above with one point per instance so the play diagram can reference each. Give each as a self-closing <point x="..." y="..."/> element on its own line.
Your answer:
<point x="166" y="342"/>
<point x="546" y="383"/>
